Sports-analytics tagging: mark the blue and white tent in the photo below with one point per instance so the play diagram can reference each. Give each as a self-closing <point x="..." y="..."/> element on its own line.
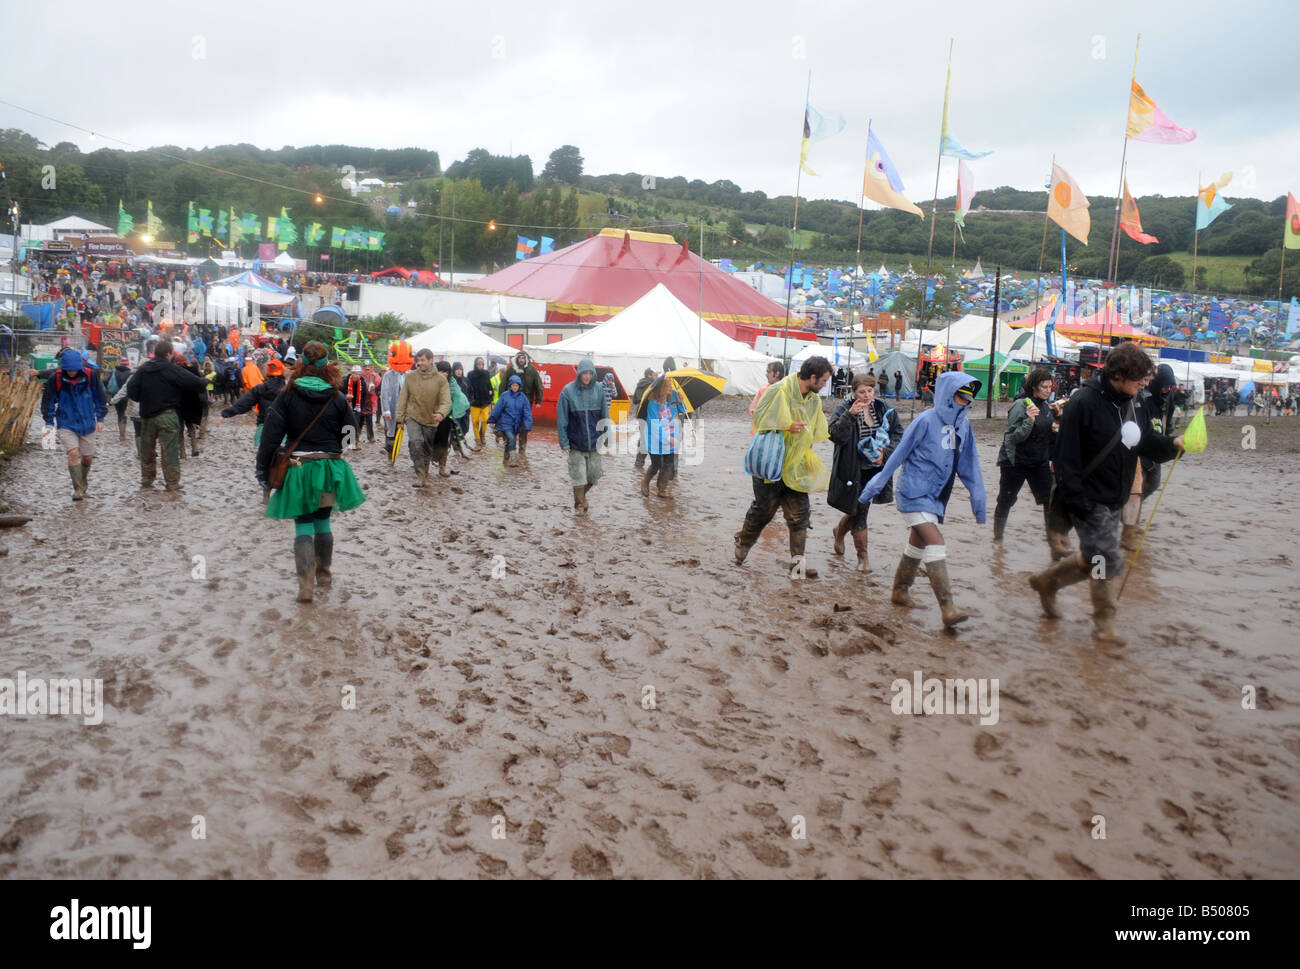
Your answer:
<point x="256" y="289"/>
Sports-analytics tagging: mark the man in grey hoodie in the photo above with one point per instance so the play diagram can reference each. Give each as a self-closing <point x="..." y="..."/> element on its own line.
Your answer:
<point x="581" y="417"/>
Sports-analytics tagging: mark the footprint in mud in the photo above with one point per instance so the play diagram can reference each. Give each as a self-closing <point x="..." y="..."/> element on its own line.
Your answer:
<point x="587" y="861"/>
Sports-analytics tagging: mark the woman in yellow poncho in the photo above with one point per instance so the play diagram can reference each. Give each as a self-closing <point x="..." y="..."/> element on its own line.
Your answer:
<point x="794" y="408"/>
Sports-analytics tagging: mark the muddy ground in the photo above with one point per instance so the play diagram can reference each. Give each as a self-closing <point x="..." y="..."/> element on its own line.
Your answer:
<point x="514" y="706"/>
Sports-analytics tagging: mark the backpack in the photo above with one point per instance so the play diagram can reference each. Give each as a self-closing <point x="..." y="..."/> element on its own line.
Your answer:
<point x="58" y="378"/>
<point x="112" y="382"/>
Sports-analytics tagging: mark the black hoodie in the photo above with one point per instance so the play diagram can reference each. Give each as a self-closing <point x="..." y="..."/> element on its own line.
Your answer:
<point x="160" y="385"/>
<point x="1091" y="419"/>
<point x="289" y="416"/>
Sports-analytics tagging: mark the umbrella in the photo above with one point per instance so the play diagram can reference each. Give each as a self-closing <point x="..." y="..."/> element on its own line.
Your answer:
<point x="695" y="387"/>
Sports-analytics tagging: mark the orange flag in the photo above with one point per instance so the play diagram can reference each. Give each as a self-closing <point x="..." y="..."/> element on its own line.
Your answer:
<point x="1131" y="222"/>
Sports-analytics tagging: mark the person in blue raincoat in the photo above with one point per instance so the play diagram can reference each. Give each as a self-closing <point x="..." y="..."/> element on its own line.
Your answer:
<point x="937" y="448"/>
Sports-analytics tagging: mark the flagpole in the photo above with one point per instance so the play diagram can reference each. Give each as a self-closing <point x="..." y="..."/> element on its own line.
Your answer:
<point x="794" y="232"/>
<point x="1196" y="238"/>
<point x="929" y="255"/>
<point x="1038" y="280"/>
<point x="699" y="333"/>
<point x="1113" y="261"/>
<point x="857" y="263"/>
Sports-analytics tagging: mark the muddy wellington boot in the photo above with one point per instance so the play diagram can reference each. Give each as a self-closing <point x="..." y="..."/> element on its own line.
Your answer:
<point x="999" y="528"/>
<point x="1104" y="593"/>
<point x="78" y="477"/>
<point x="442" y="465"/>
<point x="841" y="529"/>
<point x="194" y="442"/>
<point x="645" y="482"/>
<point x="1053" y="579"/>
<point x="324" y="542"/>
<point x="1128" y="539"/>
<point x="904" y="576"/>
<point x="640" y="461"/>
<point x="580" y="498"/>
<point x="421" y="475"/>
<point x="742" y="548"/>
<point x="664" y="486"/>
<point x="85" y="475"/>
<point x="938" y="572"/>
<point x="798" y="540"/>
<point x="1059" y="544"/>
<point x="860" y="546"/>
<point x="304" y="561"/>
<point x="121" y="431"/>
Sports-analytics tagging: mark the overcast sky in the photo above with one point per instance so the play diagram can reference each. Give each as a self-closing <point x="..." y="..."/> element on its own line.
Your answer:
<point x="705" y="89"/>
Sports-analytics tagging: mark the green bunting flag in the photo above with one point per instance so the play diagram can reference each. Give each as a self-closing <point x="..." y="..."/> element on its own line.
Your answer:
<point x="192" y="225"/>
<point x="336" y="238"/>
<point x="125" y="224"/>
<point x="205" y="222"/>
<point x="236" y="229"/>
<point x="314" y="233"/>
<point x="251" y="225"/>
<point x="288" y="231"/>
<point x="221" y="224"/>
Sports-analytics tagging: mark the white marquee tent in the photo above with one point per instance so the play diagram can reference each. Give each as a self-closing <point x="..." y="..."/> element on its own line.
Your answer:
<point x="656" y="326"/>
<point x="971" y="335"/>
<point x="459" y="340"/>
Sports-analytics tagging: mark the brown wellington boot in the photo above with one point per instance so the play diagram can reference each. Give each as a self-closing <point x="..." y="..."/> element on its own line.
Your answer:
<point x="441" y="455"/>
<point x="904" y="576"/>
<point x="645" y="482"/>
<point x="1104" y="592"/>
<point x="1059" y="544"/>
<point x="860" y="546"/>
<point x="580" y="498"/>
<point x="78" y="476"/>
<point x="841" y="529"/>
<point x="664" y="487"/>
<point x="798" y="540"/>
<point x="121" y="431"/>
<point x="741" y="549"/>
<point x="938" y="572"/>
<point x="324" y="548"/>
<point x="85" y="474"/>
<point x="1053" y="579"/>
<point x="421" y="475"/>
<point x="1128" y="539"/>
<point x="304" y="561"/>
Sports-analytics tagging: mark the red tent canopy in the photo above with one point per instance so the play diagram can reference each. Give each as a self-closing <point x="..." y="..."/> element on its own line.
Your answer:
<point x="1100" y="327"/>
<point x="392" y="271"/>
<point x="603" y="275"/>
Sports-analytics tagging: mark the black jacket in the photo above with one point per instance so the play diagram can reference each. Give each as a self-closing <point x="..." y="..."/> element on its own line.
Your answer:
<point x="642" y="386"/>
<point x="261" y="397"/>
<point x="1091" y="419"/>
<point x="160" y="385"/>
<point x="1026" y="443"/>
<point x="849" y="469"/>
<point x="479" y="388"/>
<point x="289" y="415"/>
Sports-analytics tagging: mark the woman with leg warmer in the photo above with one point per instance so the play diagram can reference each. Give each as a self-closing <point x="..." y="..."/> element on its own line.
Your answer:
<point x="310" y="416"/>
<point x="937" y="448"/>
<point x="865" y="432"/>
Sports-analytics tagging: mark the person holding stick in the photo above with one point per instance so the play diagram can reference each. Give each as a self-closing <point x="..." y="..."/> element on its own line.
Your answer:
<point x="1103" y="435"/>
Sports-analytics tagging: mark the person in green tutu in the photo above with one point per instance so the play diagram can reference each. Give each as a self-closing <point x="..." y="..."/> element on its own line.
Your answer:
<point x="309" y="417"/>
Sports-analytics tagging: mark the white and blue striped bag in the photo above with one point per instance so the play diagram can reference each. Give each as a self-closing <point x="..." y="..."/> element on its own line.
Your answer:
<point x="766" y="455"/>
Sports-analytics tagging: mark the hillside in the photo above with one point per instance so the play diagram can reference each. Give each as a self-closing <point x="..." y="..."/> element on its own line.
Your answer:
<point x="497" y="198"/>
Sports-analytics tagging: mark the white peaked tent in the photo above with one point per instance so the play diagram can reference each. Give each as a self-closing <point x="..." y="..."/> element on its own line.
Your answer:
<point x="283" y="262"/>
<point x="460" y="340"/>
<point x="970" y="337"/>
<point x="656" y="326"/>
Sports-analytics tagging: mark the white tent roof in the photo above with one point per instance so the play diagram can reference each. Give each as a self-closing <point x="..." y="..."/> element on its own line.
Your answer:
<point x="284" y="261"/>
<point x="459" y="338"/>
<point x="970" y="337"/>
<point x="75" y="223"/>
<point x="656" y="326"/>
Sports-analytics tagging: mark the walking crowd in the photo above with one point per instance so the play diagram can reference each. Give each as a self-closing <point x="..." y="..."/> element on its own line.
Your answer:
<point x="1089" y="461"/>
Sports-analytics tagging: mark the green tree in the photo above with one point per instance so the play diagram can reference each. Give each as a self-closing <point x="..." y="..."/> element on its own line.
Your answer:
<point x="564" y="165"/>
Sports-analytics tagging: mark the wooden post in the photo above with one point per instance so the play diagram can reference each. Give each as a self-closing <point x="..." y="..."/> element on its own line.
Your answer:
<point x="993" y="343"/>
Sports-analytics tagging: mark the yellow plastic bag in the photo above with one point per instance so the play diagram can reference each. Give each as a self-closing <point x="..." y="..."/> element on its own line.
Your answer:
<point x="1195" y="437"/>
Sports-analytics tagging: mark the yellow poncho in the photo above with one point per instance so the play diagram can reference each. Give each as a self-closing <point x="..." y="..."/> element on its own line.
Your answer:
<point x="782" y="406"/>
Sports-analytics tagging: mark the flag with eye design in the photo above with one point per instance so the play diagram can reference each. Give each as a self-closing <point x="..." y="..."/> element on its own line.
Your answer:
<point x="881" y="182"/>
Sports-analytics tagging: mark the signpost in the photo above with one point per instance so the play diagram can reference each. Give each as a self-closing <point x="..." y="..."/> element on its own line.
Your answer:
<point x="112" y="347"/>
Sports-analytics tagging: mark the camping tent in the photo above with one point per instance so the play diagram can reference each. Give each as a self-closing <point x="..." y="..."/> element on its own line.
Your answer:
<point x="656" y="326"/>
<point x="459" y="340"/>
<point x="601" y="276"/>
<point x="1009" y="383"/>
<point x="841" y="356"/>
<point x="897" y="361"/>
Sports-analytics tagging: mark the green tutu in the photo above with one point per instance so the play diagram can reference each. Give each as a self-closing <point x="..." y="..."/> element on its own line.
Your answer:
<point x="305" y="483"/>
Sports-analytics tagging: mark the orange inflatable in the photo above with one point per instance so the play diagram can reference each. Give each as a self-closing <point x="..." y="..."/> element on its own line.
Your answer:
<point x="399" y="356"/>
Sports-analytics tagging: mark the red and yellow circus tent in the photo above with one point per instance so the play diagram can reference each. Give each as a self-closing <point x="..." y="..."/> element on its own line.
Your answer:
<point x="1098" y="328"/>
<point x="603" y="275"/>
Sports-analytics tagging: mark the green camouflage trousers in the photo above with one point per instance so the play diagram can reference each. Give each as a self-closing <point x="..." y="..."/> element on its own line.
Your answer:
<point x="162" y="431"/>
